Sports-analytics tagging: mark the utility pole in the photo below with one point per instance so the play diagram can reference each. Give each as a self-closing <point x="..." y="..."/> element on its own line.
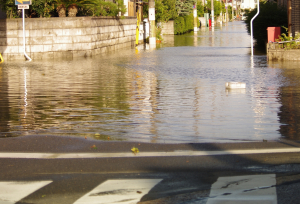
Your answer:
<point x="212" y="14"/>
<point x="221" y="14"/>
<point x="226" y="11"/>
<point x="195" y="18"/>
<point x="236" y="9"/>
<point x="232" y="9"/>
<point x="289" y="18"/>
<point x="151" y="14"/>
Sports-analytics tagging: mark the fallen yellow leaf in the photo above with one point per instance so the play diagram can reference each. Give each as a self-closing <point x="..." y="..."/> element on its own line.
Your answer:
<point x="135" y="150"/>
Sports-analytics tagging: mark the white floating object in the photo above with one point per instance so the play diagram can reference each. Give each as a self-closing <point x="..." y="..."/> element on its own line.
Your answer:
<point x="235" y="85"/>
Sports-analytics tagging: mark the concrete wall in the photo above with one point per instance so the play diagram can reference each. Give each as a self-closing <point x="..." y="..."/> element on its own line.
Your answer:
<point x="69" y="37"/>
<point x="274" y="53"/>
<point x="202" y="22"/>
<point x="168" y="28"/>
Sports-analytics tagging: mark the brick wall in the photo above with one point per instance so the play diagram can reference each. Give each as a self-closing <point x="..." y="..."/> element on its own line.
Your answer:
<point x="70" y="37"/>
<point x="295" y="17"/>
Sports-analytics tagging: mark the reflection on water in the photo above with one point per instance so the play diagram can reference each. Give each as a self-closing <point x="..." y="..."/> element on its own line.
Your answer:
<point x="289" y="96"/>
<point x="175" y="93"/>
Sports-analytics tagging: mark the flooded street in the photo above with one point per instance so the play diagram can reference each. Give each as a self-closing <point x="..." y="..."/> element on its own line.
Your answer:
<point x="173" y="94"/>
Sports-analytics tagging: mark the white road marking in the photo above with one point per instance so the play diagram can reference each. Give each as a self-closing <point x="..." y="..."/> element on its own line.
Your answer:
<point x="40" y="155"/>
<point x="250" y="189"/>
<point x="126" y="191"/>
<point x="13" y="191"/>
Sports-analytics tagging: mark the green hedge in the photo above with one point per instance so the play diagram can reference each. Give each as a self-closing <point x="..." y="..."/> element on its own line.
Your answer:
<point x="183" y="24"/>
<point x="179" y="25"/>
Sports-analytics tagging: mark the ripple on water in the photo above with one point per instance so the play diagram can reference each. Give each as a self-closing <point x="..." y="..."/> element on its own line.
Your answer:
<point x="174" y="94"/>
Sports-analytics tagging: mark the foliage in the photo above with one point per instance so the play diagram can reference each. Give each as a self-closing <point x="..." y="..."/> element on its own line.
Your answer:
<point x="270" y="15"/>
<point x="189" y="22"/>
<point x="183" y="24"/>
<point x="184" y="7"/>
<point x="158" y="33"/>
<point x="8" y="6"/>
<point x="47" y="8"/>
<point x="165" y="10"/>
<point x="292" y="44"/>
<point x="103" y="8"/>
<point x="145" y="9"/>
<point x="179" y="25"/>
<point x="42" y="8"/>
<point x="229" y="12"/>
<point x="217" y="7"/>
<point x="200" y="9"/>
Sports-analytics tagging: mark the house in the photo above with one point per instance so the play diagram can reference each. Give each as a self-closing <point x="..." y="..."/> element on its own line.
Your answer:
<point x="293" y="10"/>
<point x="248" y="4"/>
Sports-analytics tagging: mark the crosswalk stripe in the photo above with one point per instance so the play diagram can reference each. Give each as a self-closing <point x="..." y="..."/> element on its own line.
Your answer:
<point x="250" y="189"/>
<point x="13" y="191"/>
<point x="40" y="155"/>
<point x="125" y="191"/>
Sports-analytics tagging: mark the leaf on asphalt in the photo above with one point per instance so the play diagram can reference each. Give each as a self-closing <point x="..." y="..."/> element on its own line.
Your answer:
<point x="97" y="134"/>
<point x="93" y="147"/>
<point x="135" y="150"/>
<point x="43" y="196"/>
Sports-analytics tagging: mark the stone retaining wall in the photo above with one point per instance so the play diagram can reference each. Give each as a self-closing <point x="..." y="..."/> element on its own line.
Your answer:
<point x="70" y="37"/>
<point x="168" y="28"/>
<point x="274" y="53"/>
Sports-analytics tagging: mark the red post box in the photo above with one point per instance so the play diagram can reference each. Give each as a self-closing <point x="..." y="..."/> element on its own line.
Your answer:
<point x="273" y="33"/>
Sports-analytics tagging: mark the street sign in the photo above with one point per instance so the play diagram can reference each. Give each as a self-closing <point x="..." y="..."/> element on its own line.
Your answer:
<point x="22" y="2"/>
<point x="23" y="6"/>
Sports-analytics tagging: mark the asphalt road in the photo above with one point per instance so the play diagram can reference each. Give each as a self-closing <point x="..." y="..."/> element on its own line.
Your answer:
<point x="51" y="169"/>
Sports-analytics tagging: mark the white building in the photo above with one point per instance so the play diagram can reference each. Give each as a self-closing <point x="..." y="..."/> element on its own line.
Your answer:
<point x="248" y="4"/>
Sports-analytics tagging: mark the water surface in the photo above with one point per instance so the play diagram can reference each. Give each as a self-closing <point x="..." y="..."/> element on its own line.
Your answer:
<point x="173" y="94"/>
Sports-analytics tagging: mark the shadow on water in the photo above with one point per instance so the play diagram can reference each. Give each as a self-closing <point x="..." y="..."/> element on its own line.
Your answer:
<point x="4" y="116"/>
<point x="3" y="32"/>
<point x="4" y="111"/>
<point x="289" y="97"/>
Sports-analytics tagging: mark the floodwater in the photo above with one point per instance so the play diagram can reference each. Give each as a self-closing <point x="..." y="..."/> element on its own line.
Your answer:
<point x="173" y="94"/>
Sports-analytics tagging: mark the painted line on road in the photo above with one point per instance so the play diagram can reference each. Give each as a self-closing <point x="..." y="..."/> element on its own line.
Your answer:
<point x="13" y="191"/>
<point x="254" y="189"/>
<point x="125" y="191"/>
<point x="40" y="155"/>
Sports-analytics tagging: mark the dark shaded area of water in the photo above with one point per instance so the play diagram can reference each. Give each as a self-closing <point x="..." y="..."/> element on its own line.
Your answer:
<point x="175" y="93"/>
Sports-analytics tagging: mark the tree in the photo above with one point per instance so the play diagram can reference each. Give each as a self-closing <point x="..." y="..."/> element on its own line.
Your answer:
<point x="270" y="15"/>
<point x="9" y="7"/>
<point x="217" y="7"/>
<point x="185" y="7"/>
<point x="165" y="10"/>
<point x="200" y="9"/>
<point x="103" y="8"/>
<point x="43" y="8"/>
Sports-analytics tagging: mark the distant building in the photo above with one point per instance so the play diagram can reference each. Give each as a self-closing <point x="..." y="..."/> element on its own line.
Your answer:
<point x="293" y="10"/>
<point x="248" y="4"/>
